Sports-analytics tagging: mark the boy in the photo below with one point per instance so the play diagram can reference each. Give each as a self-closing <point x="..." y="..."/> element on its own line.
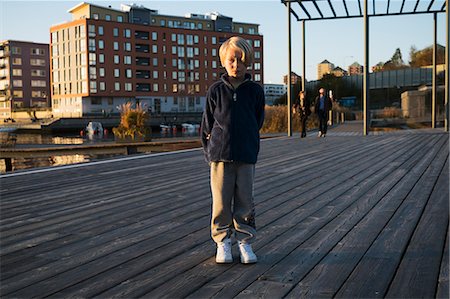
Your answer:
<point x="233" y="116"/>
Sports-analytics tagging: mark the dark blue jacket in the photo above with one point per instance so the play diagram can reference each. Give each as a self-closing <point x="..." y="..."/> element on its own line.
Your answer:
<point x="231" y="121"/>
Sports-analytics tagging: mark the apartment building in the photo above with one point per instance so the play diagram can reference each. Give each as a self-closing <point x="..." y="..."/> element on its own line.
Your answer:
<point x="355" y="69"/>
<point x="105" y="57"/>
<point x="323" y="68"/>
<point x="24" y="76"/>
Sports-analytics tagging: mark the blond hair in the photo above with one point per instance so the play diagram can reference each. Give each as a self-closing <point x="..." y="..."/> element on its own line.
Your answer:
<point x="239" y="43"/>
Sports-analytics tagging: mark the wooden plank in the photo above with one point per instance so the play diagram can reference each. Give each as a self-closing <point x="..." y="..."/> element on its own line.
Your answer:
<point x="303" y="258"/>
<point x="443" y="289"/>
<point x="418" y="273"/>
<point x="275" y="248"/>
<point x="133" y="289"/>
<point x="348" y="251"/>
<point x="375" y="271"/>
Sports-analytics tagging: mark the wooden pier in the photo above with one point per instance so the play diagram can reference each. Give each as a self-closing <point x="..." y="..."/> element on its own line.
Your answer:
<point x="343" y="216"/>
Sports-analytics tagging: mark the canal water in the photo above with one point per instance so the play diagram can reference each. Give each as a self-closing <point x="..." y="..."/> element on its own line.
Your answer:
<point x="54" y="139"/>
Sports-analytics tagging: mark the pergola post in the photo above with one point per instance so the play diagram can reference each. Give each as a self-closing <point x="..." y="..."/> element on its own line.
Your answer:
<point x="433" y="92"/>
<point x="289" y="80"/>
<point x="304" y="55"/>
<point x="447" y="73"/>
<point x="366" y="71"/>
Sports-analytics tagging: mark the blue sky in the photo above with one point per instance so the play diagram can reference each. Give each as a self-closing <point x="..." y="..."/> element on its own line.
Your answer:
<point x="338" y="41"/>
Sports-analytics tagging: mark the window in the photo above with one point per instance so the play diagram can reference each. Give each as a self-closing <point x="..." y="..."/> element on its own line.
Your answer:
<point x="116" y="86"/>
<point x="116" y="59"/>
<point x="17" y="61"/>
<point x="92" y="44"/>
<point x="155" y="61"/>
<point x="120" y="19"/>
<point x="116" y="46"/>
<point x="108" y="17"/>
<point x="174" y="50"/>
<point x="180" y="39"/>
<point x="18" y="93"/>
<point x="16" y="50"/>
<point x="180" y="51"/>
<point x="17" y="72"/>
<point x="102" y="86"/>
<point x="115" y="32"/>
<point x="92" y="73"/>
<point x="95" y="16"/>
<point x="195" y="39"/>
<point x="38" y="94"/>
<point x="128" y="73"/>
<point x="91" y="30"/>
<point x="174" y="75"/>
<point x="38" y="83"/>
<point x="155" y="74"/>
<point x="155" y="87"/>
<point x="38" y="73"/>
<point x="116" y="73"/>
<point x="37" y="51"/>
<point x="214" y="40"/>
<point x="257" y="55"/>
<point x="93" y="86"/>
<point x="96" y="101"/>
<point x="92" y="59"/>
<point x="257" y="66"/>
<point x="174" y="37"/>
<point x="127" y="33"/>
<point x="214" y="52"/>
<point x="127" y="60"/>
<point x="189" y="39"/>
<point x="101" y="58"/>
<point x="257" y="43"/>
<point x="154" y="35"/>
<point x="37" y="62"/>
<point x="100" y="30"/>
<point x="101" y="72"/>
<point x="128" y="87"/>
<point x="214" y="64"/>
<point x="101" y="44"/>
<point x="257" y="77"/>
<point x="127" y="47"/>
<point x="154" y="49"/>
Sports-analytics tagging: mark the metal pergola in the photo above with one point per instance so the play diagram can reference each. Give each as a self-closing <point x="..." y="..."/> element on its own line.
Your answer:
<point x="316" y="10"/>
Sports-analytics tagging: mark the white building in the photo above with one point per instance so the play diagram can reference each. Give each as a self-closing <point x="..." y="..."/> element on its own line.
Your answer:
<point x="273" y="92"/>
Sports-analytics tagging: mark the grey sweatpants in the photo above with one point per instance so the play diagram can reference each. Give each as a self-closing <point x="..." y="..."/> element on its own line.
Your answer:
<point x="232" y="201"/>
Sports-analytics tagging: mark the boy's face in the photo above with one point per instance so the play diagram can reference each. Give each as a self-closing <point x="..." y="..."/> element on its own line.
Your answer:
<point x="234" y="65"/>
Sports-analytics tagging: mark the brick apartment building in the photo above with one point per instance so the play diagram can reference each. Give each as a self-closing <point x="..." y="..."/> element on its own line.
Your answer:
<point x="24" y="76"/>
<point x="105" y="57"/>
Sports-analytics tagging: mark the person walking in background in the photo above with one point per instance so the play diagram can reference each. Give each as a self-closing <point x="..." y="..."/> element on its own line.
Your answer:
<point x="322" y="105"/>
<point x="233" y="116"/>
<point x="302" y="107"/>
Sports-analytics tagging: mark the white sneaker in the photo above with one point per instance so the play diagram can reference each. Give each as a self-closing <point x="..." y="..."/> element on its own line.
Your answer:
<point x="320" y="134"/>
<point x="224" y="255"/>
<point x="247" y="255"/>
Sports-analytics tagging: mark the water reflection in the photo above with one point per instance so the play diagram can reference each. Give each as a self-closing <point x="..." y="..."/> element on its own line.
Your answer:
<point x="42" y="140"/>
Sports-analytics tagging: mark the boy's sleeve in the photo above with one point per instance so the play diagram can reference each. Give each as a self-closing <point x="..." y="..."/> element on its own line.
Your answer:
<point x="260" y="109"/>
<point x="207" y="121"/>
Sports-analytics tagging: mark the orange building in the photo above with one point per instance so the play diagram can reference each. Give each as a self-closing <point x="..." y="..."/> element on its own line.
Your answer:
<point x="105" y="57"/>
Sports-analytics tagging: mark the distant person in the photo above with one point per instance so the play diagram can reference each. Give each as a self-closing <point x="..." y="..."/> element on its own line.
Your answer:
<point x="322" y="105"/>
<point x="233" y="116"/>
<point x="303" y="108"/>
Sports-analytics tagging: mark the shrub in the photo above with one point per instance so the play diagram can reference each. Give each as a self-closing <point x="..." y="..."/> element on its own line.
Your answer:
<point x="276" y="120"/>
<point x="132" y="121"/>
